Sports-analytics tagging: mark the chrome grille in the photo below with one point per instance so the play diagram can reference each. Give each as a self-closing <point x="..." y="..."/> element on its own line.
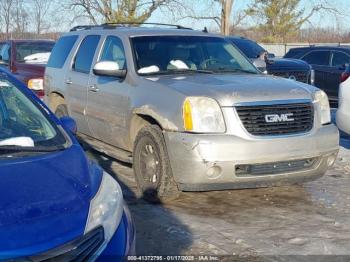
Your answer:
<point x="286" y="118"/>
<point x="301" y="76"/>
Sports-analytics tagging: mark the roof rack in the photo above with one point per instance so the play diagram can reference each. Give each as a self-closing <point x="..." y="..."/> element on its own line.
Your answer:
<point x="116" y="25"/>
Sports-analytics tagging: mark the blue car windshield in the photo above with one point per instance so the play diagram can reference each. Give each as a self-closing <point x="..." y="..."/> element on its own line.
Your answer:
<point x="187" y="54"/>
<point x="23" y="124"/>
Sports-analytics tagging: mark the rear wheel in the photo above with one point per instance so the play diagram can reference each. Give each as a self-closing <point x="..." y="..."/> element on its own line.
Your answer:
<point x="152" y="166"/>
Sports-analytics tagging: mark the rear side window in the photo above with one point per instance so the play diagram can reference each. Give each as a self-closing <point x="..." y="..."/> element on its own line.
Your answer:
<point x="61" y="51"/>
<point x="340" y="59"/>
<point x="318" y="58"/>
<point x="113" y="50"/>
<point x="85" y="54"/>
<point x="249" y="48"/>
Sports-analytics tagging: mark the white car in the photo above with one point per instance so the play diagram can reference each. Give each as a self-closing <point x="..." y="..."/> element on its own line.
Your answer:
<point x="343" y="113"/>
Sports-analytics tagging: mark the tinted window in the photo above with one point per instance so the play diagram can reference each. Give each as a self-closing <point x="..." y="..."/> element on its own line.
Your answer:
<point x="33" y="52"/>
<point x="85" y="55"/>
<point x="5" y="53"/>
<point x="340" y="59"/>
<point x="61" y="51"/>
<point x="249" y="48"/>
<point x="174" y="54"/>
<point x="317" y="57"/>
<point x="113" y="51"/>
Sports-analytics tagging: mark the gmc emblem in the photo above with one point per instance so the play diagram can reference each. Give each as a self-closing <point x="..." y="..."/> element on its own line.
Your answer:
<point x="279" y="118"/>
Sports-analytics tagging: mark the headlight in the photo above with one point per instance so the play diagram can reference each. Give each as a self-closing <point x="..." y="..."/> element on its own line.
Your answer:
<point x="106" y="208"/>
<point x="36" y="84"/>
<point x="203" y="115"/>
<point x="321" y="98"/>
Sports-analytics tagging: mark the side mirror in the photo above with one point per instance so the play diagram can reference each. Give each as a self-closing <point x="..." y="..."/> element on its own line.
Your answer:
<point x="109" y="68"/>
<point x="270" y="55"/>
<point x="69" y="124"/>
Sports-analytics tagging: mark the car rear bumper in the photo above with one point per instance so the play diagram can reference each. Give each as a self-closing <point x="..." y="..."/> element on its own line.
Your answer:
<point x="214" y="162"/>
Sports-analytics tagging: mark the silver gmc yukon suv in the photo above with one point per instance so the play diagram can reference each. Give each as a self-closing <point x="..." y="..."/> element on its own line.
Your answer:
<point x="188" y="110"/>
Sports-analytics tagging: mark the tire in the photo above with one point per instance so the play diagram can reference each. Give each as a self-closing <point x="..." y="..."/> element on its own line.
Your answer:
<point x="61" y="111"/>
<point x="152" y="166"/>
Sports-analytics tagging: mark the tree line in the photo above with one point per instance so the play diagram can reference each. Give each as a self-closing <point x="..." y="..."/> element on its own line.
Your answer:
<point x="268" y="20"/>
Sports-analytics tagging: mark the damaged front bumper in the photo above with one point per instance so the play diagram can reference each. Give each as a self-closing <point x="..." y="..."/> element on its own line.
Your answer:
<point x="202" y="162"/>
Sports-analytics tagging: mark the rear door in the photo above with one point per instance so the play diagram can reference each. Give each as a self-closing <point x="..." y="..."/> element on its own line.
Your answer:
<point x="77" y="81"/>
<point x="108" y="98"/>
<point x="320" y="61"/>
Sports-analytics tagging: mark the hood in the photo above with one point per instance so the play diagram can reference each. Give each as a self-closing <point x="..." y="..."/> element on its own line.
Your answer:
<point x="230" y="89"/>
<point x="287" y="63"/>
<point x="44" y="201"/>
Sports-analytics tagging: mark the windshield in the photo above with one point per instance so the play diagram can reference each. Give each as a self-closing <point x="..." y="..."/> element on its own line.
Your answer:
<point x="171" y="54"/>
<point x="248" y="47"/>
<point x="23" y="125"/>
<point x="33" y="52"/>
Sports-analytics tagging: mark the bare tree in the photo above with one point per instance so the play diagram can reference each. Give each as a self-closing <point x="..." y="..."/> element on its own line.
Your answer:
<point x="6" y="10"/>
<point x="40" y="11"/>
<point x="218" y="11"/>
<point x="20" y="17"/>
<point x="120" y="11"/>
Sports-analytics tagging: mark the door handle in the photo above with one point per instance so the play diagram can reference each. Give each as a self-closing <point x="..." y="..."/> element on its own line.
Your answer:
<point x="94" y="88"/>
<point x="69" y="82"/>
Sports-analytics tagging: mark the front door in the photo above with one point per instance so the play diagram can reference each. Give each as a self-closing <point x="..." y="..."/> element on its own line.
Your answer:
<point x="108" y="99"/>
<point x="77" y="80"/>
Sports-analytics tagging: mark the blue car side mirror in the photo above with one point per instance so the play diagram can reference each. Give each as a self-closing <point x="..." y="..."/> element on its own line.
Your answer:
<point x="69" y="123"/>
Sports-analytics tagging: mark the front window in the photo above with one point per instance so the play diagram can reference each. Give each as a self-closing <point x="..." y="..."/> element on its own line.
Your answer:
<point x="173" y="54"/>
<point x="33" y="52"/>
<point x="24" y="127"/>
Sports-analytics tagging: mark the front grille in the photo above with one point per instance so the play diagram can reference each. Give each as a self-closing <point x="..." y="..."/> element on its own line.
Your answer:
<point x="301" y="76"/>
<point x="281" y="119"/>
<point x="276" y="168"/>
<point x="82" y="249"/>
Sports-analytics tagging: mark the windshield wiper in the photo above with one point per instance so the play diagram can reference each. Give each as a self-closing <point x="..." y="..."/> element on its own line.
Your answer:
<point x="178" y="71"/>
<point x="235" y="71"/>
<point x="37" y="149"/>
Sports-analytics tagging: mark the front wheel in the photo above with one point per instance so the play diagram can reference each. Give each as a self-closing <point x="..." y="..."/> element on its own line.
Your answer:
<point x="152" y="166"/>
<point x="61" y="110"/>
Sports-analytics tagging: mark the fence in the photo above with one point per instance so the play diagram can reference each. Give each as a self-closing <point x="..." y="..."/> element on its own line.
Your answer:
<point x="281" y="49"/>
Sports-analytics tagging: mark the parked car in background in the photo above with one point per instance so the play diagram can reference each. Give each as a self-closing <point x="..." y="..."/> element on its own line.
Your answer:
<point x="328" y="62"/>
<point x="343" y="113"/>
<point x="294" y="69"/>
<point x="188" y="109"/>
<point x="55" y="204"/>
<point x="26" y="59"/>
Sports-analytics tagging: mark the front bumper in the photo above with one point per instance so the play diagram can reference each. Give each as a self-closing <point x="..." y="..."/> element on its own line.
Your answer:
<point x="193" y="157"/>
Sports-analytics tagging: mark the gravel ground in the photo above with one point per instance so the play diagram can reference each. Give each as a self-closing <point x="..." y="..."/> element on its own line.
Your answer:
<point x="268" y="223"/>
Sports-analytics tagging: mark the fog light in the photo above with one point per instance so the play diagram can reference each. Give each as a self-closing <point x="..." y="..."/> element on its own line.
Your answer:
<point x="214" y="172"/>
<point x="331" y="160"/>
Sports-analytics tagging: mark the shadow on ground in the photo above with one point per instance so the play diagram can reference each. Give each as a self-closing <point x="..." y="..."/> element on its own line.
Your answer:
<point x="158" y="230"/>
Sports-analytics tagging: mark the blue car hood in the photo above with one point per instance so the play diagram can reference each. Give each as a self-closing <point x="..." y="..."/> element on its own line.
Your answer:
<point x="287" y="63"/>
<point x="44" y="201"/>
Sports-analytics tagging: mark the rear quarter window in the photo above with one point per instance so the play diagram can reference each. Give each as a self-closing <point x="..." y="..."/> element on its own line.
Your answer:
<point x="61" y="51"/>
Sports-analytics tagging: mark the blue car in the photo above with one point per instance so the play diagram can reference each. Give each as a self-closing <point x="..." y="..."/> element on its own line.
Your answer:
<point x="55" y="204"/>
